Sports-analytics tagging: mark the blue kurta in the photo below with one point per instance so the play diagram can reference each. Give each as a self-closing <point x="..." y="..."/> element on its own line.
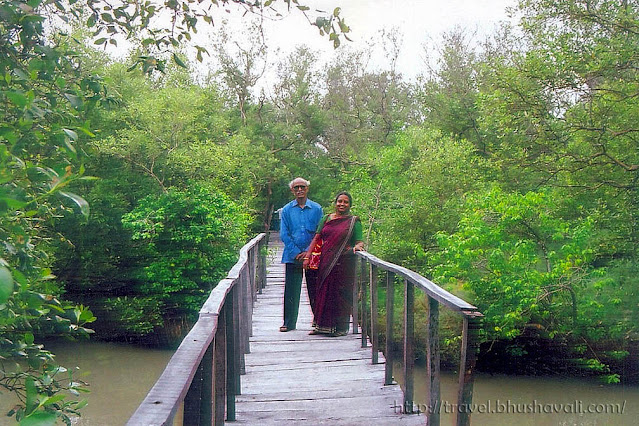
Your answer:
<point x="297" y="227"/>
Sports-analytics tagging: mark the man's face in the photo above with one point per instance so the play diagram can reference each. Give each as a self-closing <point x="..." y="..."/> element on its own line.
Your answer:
<point x="299" y="189"/>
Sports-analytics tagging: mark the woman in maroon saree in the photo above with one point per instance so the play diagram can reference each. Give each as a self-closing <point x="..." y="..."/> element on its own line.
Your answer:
<point x="340" y="234"/>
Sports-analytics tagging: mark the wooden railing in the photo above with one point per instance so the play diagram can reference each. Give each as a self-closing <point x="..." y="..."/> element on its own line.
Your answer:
<point x="202" y="378"/>
<point x="471" y="317"/>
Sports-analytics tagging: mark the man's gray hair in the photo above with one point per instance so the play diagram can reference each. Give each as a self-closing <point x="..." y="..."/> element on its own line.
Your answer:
<point x="306" y="182"/>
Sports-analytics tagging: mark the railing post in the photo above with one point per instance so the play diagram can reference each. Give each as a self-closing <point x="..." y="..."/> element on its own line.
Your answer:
<point x="264" y="255"/>
<point x="390" y="311"/>
<point x="470" y="344"/>
<point x="409" y="349"/>
<point x="362" y="289"/>
<point x="220" y="369"/>
<point x="247" y="326"/>
<point x="263" y="260"/>
<point x="356" y="299"/>
<point x="198" y="402"/>
<point x="250" y="285"/>
<point x="238" y="357"/>
<point x="252" y="273"/>
<point x="432" y="363"/>
<point x="374" y="338"/>
<point x="232" y="364"/>
<point x="261" y="268"/>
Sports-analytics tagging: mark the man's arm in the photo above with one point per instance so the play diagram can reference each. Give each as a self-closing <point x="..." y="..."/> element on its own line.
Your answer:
<point x="285" y="231"/>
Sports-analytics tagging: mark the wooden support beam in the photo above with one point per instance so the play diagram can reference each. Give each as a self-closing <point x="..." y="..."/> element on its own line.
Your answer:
<point x="198" y="400"/>
<point x="237" y="339"/>
<point x="356" y="300"/>
<point x="470" y="345"/>
<point x="363" y="303"/>
<point x="432" y="363"/>
<point x="220" y="370"/>
<point x="374" y="333"/>
<point x="409" y="345"/>
<point x="390" y="312"/>
<point x="246" y="312"/>
<point x="232" y="372"/>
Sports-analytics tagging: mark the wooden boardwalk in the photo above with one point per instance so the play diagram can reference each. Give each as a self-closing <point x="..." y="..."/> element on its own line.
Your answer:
<point x="293" y="378"/>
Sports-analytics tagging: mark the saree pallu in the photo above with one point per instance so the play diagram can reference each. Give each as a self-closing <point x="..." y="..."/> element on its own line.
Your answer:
<point x="335" y="275"/>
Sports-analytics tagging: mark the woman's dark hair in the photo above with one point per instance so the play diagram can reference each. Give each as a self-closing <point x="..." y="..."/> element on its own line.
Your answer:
<point x="350" y="199"/>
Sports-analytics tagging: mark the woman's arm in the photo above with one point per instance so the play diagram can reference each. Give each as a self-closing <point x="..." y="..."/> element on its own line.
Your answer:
<point x="311" y="246"/>
<point x="358" y="237"/>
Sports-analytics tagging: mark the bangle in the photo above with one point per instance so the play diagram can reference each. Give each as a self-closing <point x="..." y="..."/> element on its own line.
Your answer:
<point x="306" y="258"/>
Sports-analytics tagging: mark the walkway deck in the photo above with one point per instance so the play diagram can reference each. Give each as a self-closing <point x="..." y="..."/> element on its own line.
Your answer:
<point x="293" y="378"/>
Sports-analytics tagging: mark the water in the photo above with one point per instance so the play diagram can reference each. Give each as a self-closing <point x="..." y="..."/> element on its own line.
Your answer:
<point x="538" y="401"/>
<point x="119" y="378"/>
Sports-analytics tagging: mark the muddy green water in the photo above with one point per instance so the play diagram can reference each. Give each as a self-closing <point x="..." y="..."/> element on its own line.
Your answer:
<point x="121" y="375"/>
<point x="540" y="401"/>
<point x="119" y="378"/>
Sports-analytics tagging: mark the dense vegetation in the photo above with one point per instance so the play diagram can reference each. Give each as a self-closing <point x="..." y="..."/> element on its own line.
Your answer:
<point x="507" y="172"/>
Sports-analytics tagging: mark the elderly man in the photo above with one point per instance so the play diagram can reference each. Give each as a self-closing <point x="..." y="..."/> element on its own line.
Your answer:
<point x="298" y="223"/>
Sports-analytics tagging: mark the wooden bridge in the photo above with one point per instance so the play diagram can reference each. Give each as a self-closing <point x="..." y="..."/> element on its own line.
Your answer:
<point x="236" y="366"/>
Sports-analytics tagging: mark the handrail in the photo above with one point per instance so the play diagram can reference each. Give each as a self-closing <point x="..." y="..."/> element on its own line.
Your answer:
<point x="198" y="376"/>
<point x="435" y="295"/>
<point x="426" y="285"/>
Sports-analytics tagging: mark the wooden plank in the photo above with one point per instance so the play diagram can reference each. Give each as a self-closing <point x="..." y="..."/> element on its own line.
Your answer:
<point x="368" y="385"/>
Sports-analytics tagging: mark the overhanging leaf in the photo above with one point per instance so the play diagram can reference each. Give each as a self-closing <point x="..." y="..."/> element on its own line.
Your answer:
<point x="81" y="202"/>
<point x="41" y="418"/>
<point x="179" y="61"/>
<point x="6" y="284"/>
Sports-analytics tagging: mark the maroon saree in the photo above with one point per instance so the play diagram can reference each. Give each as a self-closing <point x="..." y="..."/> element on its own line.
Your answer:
<point x="334" y="291"/>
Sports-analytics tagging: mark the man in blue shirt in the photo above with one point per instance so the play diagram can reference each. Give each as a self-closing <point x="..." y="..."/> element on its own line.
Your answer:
<point x="298" y="223"/>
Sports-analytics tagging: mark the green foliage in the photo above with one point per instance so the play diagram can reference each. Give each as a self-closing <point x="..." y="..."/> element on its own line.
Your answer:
<point x="191" y="239"/>
<point x="134" y="316"/>
<point x="523" y="264"/>
<point x="611" y="304"/>
<point x="132" y="19"/>
<point x="41" y="395"/>
<point x="412" y="190"/>
<point x="43" y="101"/>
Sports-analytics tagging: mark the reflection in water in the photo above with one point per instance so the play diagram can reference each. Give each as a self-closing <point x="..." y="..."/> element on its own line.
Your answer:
<point x="119" y="378"/>
<point x="538" y="401"/>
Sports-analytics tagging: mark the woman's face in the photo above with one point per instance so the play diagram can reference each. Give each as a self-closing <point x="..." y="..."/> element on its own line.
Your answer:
<point x="342" y="204"/>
